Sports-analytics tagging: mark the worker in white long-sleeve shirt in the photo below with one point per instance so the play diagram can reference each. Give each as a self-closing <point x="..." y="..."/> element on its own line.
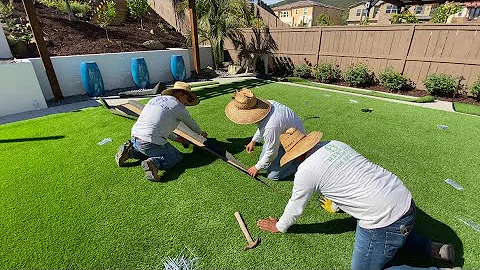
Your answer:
<point x="272" y="119"/>
<point x="374" y="196"/>
<point x="154" y="126"/>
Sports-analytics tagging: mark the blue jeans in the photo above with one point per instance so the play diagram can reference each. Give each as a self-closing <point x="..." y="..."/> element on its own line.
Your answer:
<point x="275" y="172"/>
<point x="163" y="156"/>
<point x="374" y="248"/>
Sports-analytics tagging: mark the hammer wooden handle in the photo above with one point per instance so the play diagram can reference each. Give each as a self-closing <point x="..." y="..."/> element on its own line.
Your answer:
<point x="243" y="227"/>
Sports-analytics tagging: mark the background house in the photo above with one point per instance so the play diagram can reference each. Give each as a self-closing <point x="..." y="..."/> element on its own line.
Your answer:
<point x="304" y="13"/>
<point x="383" y="11"/>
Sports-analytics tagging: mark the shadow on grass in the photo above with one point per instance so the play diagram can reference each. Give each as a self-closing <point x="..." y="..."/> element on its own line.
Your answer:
<point x="335" y="226"/>
<point x="425" y="225"/>
<point x="437" y="231"/>
<point x="228" y="88"/>
<point x="32" y="139"/>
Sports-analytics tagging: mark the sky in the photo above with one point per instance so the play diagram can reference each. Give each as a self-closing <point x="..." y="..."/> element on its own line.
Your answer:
<point x="269" y="2"/>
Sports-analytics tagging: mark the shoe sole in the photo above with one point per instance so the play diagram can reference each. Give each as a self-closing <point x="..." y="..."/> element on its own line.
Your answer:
<point x="122" y="154"/>
<point x="149" y="175"/>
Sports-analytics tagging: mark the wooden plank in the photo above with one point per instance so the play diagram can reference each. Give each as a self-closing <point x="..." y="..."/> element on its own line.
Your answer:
<point x="42" y="48"/>
<point x="443" y="60"/>
<point x="208" y="144"/>
<point x="373" y="56"/>
<point x="404" y="58"/>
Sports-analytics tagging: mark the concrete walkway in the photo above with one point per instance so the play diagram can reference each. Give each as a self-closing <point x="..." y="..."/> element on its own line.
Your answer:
<point x="78" y="104"/>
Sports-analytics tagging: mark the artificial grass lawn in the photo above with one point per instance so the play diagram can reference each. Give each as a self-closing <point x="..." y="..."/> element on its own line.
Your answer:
<point x="65" y="204"/>
<point x="466" y="108"/>
<point x="301" y="81"/>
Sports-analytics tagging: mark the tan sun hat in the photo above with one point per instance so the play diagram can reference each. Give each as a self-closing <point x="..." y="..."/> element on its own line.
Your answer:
<point x="186" y="88"/>
<point x="296" y="143"/>
<point x="246" y="108"/>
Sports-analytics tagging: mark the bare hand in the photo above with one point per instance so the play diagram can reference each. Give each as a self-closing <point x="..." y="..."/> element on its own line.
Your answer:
<point x="269" y="224"/>
<point x="204" y="134"/>
<point x="249" y="147"/>
<point x="252" y="171"/>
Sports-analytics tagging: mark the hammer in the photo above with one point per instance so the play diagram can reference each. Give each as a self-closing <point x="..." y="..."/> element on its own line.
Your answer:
<point x="250" y="244"/>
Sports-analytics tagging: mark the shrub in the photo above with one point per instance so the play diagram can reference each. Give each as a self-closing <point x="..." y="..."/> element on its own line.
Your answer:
<point x="106" y="13"/>
<point x="359" y="75"/>
<point x="327" y="73"/>
<point x="282" y="67"/>
<point x="475" y="89"/>
<point x="323" y="20"/>
<point x="440" y="84"/>
<point x="393" y="80"/>
<point x="76" y="6"/>
<point x="302" y="71"/>
<point x="404" y="17"/>
<point x="138" y="9"/>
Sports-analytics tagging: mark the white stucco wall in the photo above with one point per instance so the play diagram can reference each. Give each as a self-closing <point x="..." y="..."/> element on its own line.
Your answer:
<point x="5" y="52"/>
<point x="20" y="90"/>
<point x="206" y="59"/>
<point x="114" y="67"/>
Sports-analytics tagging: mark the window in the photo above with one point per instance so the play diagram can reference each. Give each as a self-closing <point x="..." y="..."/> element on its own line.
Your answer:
<point x="284" y="14"/>
<point x="359" y="12"/>
<point x="391" y="9"/>
<point x="419" y="10"/>
<point x="296" y="11"/>
<point x="473" y="13"/>
<point x="305" y="11"/>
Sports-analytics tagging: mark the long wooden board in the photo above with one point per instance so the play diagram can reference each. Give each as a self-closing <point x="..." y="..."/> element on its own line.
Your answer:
<point x="134" y="108"/>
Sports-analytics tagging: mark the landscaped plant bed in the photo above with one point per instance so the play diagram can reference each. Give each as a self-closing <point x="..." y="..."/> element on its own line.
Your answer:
<point x="85" y="37"/>
<point x="463" y="98"/>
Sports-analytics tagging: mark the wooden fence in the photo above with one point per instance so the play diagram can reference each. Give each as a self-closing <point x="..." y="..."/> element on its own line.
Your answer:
<point x="414" y="50"/>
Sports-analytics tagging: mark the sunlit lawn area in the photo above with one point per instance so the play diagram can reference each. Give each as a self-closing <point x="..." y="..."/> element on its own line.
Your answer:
<point x="65" y="203"/>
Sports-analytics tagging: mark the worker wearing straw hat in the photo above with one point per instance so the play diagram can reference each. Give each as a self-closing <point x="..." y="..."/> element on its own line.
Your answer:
<point x="272" y="119"/>
<point x="155" y="124"/>
<point x="374" y="196"/>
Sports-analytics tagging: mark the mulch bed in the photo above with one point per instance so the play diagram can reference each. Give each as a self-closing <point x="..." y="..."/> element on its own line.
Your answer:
<point x="462" y="97"/>
<point x="84" y="37"/>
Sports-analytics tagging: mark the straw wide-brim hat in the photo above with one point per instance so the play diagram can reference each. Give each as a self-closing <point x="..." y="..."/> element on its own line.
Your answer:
<point x="296" y="143"/>
<point x="246" y="108"/>
<point x="186" y="88"/>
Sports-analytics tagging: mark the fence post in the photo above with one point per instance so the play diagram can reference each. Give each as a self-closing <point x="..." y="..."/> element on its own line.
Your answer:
<point x="404" y="59"/>
<point x="319" y="44"/>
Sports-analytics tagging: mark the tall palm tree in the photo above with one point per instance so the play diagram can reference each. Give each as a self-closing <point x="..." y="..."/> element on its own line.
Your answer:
<point x="219" y="20"/>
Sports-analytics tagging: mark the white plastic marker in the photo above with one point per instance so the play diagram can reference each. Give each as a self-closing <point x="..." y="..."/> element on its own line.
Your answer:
<point x="470" y="223"/>
<point x="327" y="95"/>
<point x="104" y="141"/>
<point x="442" y="126"/>
<point x="353" y="101"/>
<point x="453" y="184"/>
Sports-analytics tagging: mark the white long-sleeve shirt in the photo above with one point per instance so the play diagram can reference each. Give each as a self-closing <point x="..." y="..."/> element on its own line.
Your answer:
<point x="279" y="119"/>
<point x="366" y="191"/>
<point x="160" y="117"/>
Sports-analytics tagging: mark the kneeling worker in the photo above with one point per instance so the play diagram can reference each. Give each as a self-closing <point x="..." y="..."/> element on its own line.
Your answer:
<point x="374" y="196"/>
<point x="155" y="124"/>
<point x="272" y="119"/>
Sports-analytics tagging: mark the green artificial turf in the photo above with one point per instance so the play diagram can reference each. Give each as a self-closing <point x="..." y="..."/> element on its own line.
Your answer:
<point x="200" y="84"/>
<point x="65" y="204"/>
<point x="466" y="108"/>
<point x="362" y="92"/>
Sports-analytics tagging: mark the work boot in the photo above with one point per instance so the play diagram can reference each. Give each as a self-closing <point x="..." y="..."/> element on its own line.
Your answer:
<point x="123" y="153"/>
<point x="444" y="252"/>
<point x="151" y="170"/>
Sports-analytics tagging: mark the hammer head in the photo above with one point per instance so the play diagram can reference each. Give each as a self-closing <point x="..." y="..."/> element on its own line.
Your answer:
<point x="252" y="244"/>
